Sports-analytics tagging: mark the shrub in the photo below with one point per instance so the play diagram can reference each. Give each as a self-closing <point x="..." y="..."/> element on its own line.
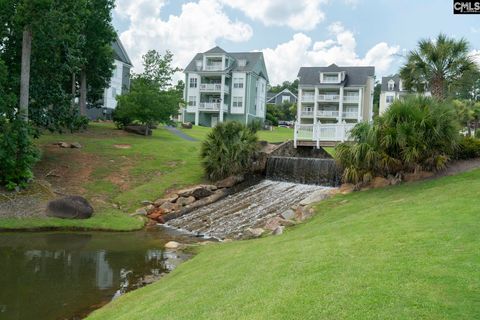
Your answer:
<point x="228" y="150"/>
<point x="477" y="133"/>
<point x="468" y="148"/>
<point x="17" y="154"/>
<point x="415" y="133"/>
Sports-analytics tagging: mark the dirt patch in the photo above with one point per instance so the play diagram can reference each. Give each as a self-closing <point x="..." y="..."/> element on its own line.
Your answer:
<point x="459" y="166"/>
<point x="67" y="170"/>
<point x="122" y="146"/>
<point x="121" y="176"/>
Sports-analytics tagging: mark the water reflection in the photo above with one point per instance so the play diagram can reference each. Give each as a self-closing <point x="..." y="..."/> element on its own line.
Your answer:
<point x="67" y="275"/>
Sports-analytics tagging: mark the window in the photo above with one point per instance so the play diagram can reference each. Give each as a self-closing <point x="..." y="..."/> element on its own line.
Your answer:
<point x="285" y="99"/>
<point x="242" y="62"/>
<point x="389" y="99"/>
<point x="114" y="92"/>
<point x="391" y="85"/>
<point x="330" y="78"/>
<point x="192" y="101"/>
<point x="237" y="102"/>
<point x="193" y="82"/>
<point x="238" y="83"/>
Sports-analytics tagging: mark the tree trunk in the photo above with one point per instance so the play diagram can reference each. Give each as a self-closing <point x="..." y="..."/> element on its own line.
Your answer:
<point x="25" y="73"/>
<point x="83" y="93"/>
<point x="74" y="89"/>
<point x="438" y="88"/>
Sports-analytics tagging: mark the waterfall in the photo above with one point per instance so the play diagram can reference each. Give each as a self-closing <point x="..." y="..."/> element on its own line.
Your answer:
<point x="251" y="207"/>
<point x="303" y="170"/>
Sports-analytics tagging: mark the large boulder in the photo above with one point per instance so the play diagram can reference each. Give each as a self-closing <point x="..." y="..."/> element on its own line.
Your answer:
<point x="198" y="192"/>
<point x="70" y="207"/>
<point x="230" y="181"/>
<point x="141" y="130"/>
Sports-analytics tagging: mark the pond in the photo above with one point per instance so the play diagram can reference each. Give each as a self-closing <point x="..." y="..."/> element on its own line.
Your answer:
<point x="66" y="275"/>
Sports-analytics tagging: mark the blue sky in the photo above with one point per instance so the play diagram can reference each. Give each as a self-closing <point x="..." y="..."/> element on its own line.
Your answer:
<point x="351" y="31"/>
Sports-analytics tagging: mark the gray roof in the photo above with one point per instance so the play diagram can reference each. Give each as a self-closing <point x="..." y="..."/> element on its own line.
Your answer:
<point x="395" y="78"/>
<point x="251" y="58"/>
<point x="354" y="76"/>
<point x="120" y="53"/>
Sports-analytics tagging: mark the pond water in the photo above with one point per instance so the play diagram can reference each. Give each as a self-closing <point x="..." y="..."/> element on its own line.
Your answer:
<point x="66" y="275"/>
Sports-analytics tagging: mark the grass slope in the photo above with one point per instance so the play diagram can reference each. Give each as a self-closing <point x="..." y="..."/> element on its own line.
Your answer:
<point x="278" y="134"/>
<point x="107" y="175"/>
<point x="403" y="252"/>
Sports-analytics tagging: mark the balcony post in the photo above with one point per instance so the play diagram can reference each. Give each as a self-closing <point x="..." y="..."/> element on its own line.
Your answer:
<point x="299" y="104"/>
<point x="360" y="105"/>
<point x="315" y="97"/>
<point x="197" y="115"/>
<point x="340" y="106"/>
<point x="295" y="134"/>
<point x="222" y="97"/>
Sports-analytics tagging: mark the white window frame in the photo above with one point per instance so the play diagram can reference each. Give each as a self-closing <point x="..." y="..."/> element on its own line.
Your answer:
<point x="391" y="85"/>
<point x="237" y="102"/>
<point x="192" y="101"/>
<point x="193" y="83"/>
<point x="286" y="98"/>
<point x="238" y="83"/>
<point x="389" y="97"/>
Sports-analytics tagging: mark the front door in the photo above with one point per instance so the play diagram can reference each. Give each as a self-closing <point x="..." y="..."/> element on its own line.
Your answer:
<point x="214" y="121"/>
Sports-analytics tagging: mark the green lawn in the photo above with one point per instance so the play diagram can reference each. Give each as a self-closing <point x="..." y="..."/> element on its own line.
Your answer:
<point x="123" y="177"/>
<point x="403" y="252"/>
<point x="275" y="136"/>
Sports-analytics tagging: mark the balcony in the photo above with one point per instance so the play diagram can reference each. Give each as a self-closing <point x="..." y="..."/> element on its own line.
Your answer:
<point x="213" y="87"/>
<point x="211" y="106"/>
<point x="328" y="98"/>
<point x="214" y="67"/>
<point x="306" y="113"/>
<point x="351" y="99"/>
<point x="308" y="98"/>
<point x="350" y="115"/>
<point x="327" y="113"/>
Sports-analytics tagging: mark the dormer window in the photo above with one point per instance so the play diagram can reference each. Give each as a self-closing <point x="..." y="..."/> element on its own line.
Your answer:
<point x="333" y="77"/>
<point x="242" y="62"/>
<point x="198" y="64"/>
<point x="391" y="85"/>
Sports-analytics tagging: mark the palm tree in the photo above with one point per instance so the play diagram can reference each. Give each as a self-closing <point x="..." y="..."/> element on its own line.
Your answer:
<point x="437" y="64"/>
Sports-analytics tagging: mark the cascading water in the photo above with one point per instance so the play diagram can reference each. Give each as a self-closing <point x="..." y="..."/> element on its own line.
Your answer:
<point x="303" y="170"/>
<point x="252" y="207"/>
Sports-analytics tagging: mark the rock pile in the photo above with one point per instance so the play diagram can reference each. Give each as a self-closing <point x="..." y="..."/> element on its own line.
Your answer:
<point x="180" y="202"/>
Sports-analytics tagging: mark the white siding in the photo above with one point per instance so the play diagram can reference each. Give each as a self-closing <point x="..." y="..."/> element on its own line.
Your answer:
<point x="261" y="94"/>
<point x="238" y="92"/>
<point x="193" y="92"/>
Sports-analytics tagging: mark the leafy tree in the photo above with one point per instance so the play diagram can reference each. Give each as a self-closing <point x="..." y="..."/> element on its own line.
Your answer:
<point x="414" y="133"/>
<point x="228" y="150"/>
<point x="467" y="87"/>
<point x="292" y="86"/>
<point x="151" y="98"/>
<point x="438" y="64"/>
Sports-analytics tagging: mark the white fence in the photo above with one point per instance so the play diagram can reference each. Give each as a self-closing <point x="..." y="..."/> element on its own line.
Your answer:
<point x="322" y="132"/>
<point x="211" y="106"/>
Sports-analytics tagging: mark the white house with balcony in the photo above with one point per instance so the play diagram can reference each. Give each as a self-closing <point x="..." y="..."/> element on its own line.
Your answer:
<point x="221" y="86"/>
<point x="393" y="89"/>
<point x="331" y="101"/>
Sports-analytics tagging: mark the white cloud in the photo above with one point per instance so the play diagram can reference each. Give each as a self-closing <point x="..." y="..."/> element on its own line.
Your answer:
<point x="475" y="54"/>
<point x="195" y="29"/>
<point x="474" y="30"/>
<point x="296" y="14"/>
<point x="284" y="61"/>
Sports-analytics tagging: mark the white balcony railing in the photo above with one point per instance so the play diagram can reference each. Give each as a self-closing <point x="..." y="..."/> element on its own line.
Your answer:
<point x="213" y="87"/>
<point x="353" y="99"/>
<point x="327" y="113"/>
<point x="322" y="132"/>
<point x="328" y="97"/>
<point x="306" y="113"/>
<point x="214" y="67"/>
<point x="350" y="115"/>
<point x="308" y="98"/>
<point x="211" y="106"/>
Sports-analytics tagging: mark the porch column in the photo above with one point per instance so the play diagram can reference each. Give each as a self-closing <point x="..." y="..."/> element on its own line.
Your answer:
<point x="299" y="105"/>
<point x="315" y="101"/>
<point x="197" y="116"/>
<point x="360" y="104"/>
<point x="340" y="106"/>
<point x="222" y="97"/>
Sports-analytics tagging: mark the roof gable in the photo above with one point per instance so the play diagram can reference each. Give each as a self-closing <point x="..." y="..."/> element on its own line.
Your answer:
<point x="120" y="53"/>
<point x="354" y="76"/>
